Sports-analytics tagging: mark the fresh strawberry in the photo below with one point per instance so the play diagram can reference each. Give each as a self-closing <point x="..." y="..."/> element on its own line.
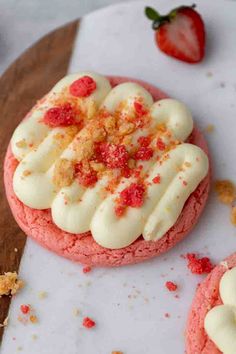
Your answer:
<point x="180" y="33"/>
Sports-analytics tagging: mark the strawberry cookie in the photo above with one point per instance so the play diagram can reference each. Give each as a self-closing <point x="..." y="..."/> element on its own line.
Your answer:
<point x="107" y="171"/>
<point x="211" y="326"/>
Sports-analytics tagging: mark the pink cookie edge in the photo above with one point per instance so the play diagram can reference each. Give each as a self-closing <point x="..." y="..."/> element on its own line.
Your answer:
<point x="206" y="297"/>
<point x="82" y="248"/>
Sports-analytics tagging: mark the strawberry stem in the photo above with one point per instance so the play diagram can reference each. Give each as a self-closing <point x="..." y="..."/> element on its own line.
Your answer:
<point x="158" y="20"/>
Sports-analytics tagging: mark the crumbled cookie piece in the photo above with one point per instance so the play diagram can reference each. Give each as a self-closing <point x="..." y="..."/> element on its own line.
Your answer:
<point x="116" y="352"/>
<point x="225" y="190"/>
<point x="63" y="173"/>
<point x="5" y="322"/>
<point x="21" y="144"/>
<point x="209" y="128"/>
<point x="27" y="173"/>
<point x="10" y="284"/>
<point x="126" y="128"/>
<point x="33" y="319"/>
<point x="42" y="295"/>
<point x="88" y="323"/>
<point x="233" y="216"/>
<point x="110" y="124"/>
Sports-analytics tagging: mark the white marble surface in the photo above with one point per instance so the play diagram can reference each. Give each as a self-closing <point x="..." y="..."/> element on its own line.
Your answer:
<point x="127" y="320"/>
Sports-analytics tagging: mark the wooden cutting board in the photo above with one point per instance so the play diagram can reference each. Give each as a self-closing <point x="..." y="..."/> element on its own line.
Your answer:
<point x="23" y="83"/>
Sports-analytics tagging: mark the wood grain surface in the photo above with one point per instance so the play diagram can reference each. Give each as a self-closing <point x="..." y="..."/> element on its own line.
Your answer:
<point x="26" y="80"/>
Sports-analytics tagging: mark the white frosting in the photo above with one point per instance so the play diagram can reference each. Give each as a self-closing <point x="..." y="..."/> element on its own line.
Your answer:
<point x="220" y="321"/>
<point x="86" y="209"/>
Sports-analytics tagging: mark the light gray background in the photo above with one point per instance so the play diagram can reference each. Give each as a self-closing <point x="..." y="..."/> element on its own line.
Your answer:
<point x="22" y="22"/>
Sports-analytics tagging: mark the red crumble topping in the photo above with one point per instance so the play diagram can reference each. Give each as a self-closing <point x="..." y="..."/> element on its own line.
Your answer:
<point x="87" y="269"/>
<point x="139" y="109"/>
<point x="119" y="210"/>
<point x="157" y="179"/>
<point x="60" y="116"/>
<point x="171" y="286"/>
<point x="199" y="265"/>
<point x="137" y="171"/>
<point x="25" y="309"/>
<point x="85" y="177"/>
<point x="126" y="172"/>
<point x="88" y="322"/>
<point x="144" y="140"/>
<point x="83" y="87"/>
<point x="144" y="153"/>
<point x="133" y="195"/>
<point x="112" y="155"/>
<point x="185" y="183"/>
<point x="160" y="144"/>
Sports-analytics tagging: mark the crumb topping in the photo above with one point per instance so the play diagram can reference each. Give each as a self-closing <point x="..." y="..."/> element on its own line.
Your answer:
<point x="199" y="265"/>
<point x="171" y="286"/>
<point x="88" y="323"/>
<point x="233" y="216"/>
<point x="10" y="284"/>
<point x="63" y="173"/>
<point x="225" y="191"/>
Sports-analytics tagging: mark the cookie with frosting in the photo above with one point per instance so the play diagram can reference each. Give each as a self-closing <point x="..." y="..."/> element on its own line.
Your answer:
<point x="211" y="326"/>
<point x="107" y="171"/>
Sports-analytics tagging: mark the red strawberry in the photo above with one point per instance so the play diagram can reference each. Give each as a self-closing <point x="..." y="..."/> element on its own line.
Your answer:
<point x="180" y="34"/>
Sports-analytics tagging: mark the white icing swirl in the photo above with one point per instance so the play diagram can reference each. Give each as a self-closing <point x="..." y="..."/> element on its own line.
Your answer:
<point x="86" y="209"/>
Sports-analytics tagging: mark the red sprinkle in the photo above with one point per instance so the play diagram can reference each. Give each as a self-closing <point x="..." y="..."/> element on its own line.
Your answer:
<point x="144" y="153"/>
<point x="24" y="309"/>
<point x="119" y="210"/>
<point x="199" y="265"/>
<point x="133" y="195"/>
<point x="86" y="178"/>
<point x="87" y="269"/>
<point x="126" y="172"/>
<point x="171" y="286"/>
<point x="144" y="140"/>
<point x="160" y="144"/>
<point x="60" y="116"/>
<point x="139" y="109"/>
<point x="83" y="87"/>
<point x="112" y="155"/>
<point x="88" y="322"/>
<point x="157" y="179"/>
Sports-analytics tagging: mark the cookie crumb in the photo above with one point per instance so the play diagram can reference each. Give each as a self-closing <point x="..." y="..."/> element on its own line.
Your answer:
<point x="25" y="309"/>
<point x="171" y="286"/>
<point x="199" y="265"/>
<point x="233" y="216"/>
<point x="42" y="295"/>
<point x="87" y="269"/>
<point x="116" y="352"/>
<point x="5" y="322"/>
<point x="34" y="336"/>
<point x="10" y="284"/>
<point x="88" y="323"/>
<point x="76" y="312"/>
<point x="209" y="128"/>
<point x="225" y="191"/>
<point x="15" y="249"/>
<point x="33" y="319"/>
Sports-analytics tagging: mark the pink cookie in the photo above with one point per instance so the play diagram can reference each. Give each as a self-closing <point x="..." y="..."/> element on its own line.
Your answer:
<point x="82" y="247"/>
<point x="207" y="296"/>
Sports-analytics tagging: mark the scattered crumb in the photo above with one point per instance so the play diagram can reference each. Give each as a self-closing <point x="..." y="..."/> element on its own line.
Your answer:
<point x="25" y="309"/>
<point x="42" y="295"/>
<point x="76" y="312"/>
<point x="33" y="319"/>
<point x="199" y="265"/>
<point x="209" y="74"/>
<point x="27" y="173"/>
<point x="171" y="286"/>
<point x="87" y="269"/>
<point x="16" y="250"/>
<point x="5" y="322"/>
<point x="19" y="349"/>
<point x="34" y="336"/>
<point x="21" y="144"/>
<point x="10" y="284"/>
<point x="233" y="216"/>
<point x="116" y="352"/>
<point x="209" y="128"/>
<point x="167" y="315"/>
<point x="88" y="323"/>
<point x="225" y="190"/>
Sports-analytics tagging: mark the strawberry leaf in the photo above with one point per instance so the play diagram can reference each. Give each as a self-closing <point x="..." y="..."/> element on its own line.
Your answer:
<point x="151" y="13"/>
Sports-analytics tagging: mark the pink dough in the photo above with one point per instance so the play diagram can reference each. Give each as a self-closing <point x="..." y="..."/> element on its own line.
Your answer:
<point x="82" y="248"/>
<point x="207" y="296"/>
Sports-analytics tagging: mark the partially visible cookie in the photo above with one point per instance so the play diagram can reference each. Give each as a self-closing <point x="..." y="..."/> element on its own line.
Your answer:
<point x="203" y="319"/>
